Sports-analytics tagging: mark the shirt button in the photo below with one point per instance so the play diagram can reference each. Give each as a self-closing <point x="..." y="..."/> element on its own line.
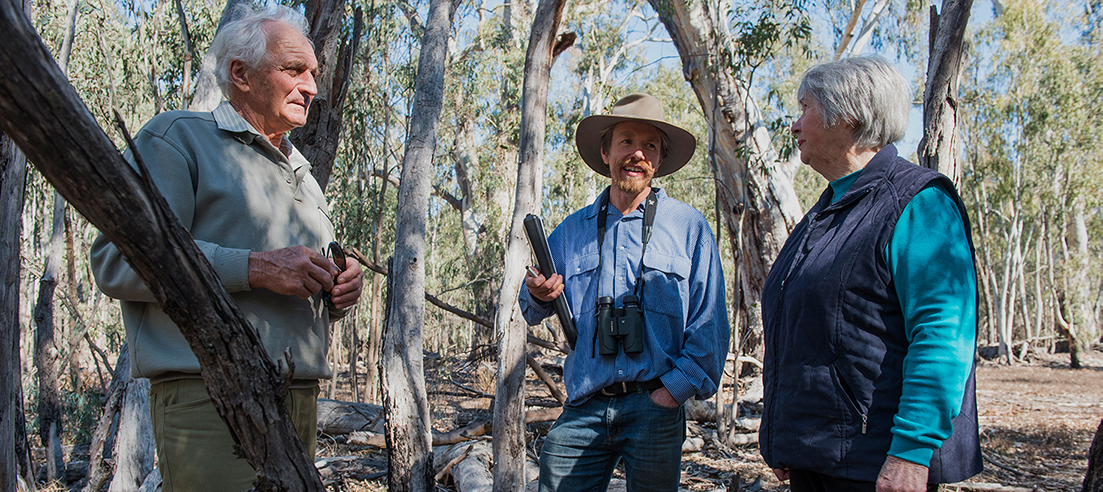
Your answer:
<point x="289" y="180"/>
<point x="620" y="373"/>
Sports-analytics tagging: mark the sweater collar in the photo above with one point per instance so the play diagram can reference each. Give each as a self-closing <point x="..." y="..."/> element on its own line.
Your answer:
<point x="868" y="179"/>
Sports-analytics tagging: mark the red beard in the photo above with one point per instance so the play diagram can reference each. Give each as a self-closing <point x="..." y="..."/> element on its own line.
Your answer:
<point x="633" y="184"/>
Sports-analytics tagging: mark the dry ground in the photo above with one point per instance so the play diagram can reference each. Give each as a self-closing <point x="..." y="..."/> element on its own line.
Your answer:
<point x="1036" y="419"/>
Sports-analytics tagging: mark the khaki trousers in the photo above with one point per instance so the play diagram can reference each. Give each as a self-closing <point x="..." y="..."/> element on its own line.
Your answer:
<point x="195" y="450"/>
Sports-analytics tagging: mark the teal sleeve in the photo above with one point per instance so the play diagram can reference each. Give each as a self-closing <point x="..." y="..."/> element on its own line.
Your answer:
<point x="932" y="266"/>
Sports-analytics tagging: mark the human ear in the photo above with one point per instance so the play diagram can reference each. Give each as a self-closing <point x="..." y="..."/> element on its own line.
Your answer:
<point x="239" y="75"/>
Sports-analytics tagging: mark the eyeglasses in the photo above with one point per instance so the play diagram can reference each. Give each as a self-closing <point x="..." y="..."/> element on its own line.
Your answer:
<point x="337" y="254"/>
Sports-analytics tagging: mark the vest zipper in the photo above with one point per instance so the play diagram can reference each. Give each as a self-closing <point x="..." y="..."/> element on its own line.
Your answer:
<point x="849" y="394"/>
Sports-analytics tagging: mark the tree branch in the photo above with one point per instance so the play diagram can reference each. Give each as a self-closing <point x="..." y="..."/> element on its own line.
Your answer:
<point x="43" y="114"/>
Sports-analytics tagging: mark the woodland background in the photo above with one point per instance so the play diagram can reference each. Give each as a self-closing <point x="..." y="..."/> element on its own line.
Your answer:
<point x="1029" y="161"/>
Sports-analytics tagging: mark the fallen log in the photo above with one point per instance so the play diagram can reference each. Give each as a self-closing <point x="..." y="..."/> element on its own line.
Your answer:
<point x="468" y="464"/>
<point x="470" y="431"/>
<point x="337" y="418"/>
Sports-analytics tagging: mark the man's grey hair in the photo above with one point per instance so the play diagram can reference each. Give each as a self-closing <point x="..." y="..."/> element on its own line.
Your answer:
<point x="246" y="38"/>
<point x="864" y="91"/>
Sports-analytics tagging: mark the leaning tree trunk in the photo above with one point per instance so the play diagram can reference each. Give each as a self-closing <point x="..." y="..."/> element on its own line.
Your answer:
<point x="317" y="140"/>
<point x="1093" y="479"/>
<point x="512" y="331"/>
<point x="405" y="401"/>
<point x="754" y="194"/>
<point x="13" y="171"/>
<point x="937" y="149"/>
<point x="44" y="116"/>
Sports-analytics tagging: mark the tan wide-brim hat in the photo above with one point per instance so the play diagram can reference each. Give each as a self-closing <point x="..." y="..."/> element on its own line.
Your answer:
<point x="639" y="107"/>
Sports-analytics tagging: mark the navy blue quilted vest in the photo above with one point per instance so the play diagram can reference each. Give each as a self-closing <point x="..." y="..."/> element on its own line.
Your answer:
<point x="834" y="336"/>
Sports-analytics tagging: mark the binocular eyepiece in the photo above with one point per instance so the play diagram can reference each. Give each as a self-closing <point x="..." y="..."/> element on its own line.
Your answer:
<point x="619" y="326"/>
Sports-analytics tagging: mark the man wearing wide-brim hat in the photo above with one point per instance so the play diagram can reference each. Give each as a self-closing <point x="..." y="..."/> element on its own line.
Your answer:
<point x="641" y="273"/>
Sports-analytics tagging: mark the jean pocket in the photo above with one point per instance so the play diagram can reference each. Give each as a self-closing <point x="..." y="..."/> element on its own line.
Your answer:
<point x="651" y="398"/>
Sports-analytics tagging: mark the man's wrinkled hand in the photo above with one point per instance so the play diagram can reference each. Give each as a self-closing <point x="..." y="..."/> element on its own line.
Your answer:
<point x="350" y="284"/>
<point x="544" y="289"/>
<point x="899" y="475"/>
<point x="295" y="271"/>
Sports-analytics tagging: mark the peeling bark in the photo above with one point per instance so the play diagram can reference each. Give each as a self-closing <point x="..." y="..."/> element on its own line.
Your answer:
<point x="753" y="192"/>
<point x="937" y="149"/>
<point x="404" y="400"/>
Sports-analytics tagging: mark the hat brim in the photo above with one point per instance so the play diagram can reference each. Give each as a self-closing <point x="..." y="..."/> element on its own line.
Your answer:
<point x="587" y="139"/>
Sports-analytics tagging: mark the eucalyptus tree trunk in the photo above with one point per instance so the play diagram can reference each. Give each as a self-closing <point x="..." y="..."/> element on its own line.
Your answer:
<point x="44" y="116"/>
<point x="318" y="139"/>
<point x="13" y="171"/>
<point x="753" y="192"/>
<point x="511" y="329"/>
<point x="131" y="450"/>
<point x="1005" y="300"/>
<point x="46" y="353"/>
<point x="374" y="350"/>
<point x="937" y="148"/>
<point x="408" y="429"/>
<point x="46" y="349"/>
<point x="1083" y="267"/>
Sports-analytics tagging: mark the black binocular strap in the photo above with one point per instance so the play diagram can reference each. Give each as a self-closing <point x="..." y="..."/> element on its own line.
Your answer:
<point x="648" y="224"/>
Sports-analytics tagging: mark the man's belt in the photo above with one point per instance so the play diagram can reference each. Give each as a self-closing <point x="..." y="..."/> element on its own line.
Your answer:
<point x="628" y="387"/>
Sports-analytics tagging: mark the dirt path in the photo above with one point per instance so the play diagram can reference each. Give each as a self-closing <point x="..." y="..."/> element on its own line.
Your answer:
<point x="1037" y="421"/>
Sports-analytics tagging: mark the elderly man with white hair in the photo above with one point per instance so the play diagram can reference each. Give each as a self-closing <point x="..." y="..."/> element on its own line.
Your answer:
<point x="247" y="196"/>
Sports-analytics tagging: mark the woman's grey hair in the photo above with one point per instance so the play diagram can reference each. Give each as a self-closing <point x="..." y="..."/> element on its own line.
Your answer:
<point x="246" y="38"/>
<point x="864" y="91"/>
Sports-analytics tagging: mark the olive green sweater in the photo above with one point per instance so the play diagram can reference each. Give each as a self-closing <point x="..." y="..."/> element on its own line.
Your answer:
<point x="236" y="193"/>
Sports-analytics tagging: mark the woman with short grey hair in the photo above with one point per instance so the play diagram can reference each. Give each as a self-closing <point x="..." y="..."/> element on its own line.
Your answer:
<point x="869" y="310"/>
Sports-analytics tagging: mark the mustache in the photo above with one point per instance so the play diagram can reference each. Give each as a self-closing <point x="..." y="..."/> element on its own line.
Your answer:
<point x="643" y="165"/>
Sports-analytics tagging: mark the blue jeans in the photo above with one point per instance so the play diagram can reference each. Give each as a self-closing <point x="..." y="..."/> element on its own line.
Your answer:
<point x="583" y="446"/>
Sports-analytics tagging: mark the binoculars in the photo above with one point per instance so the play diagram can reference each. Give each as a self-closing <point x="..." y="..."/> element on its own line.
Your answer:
<point x="619" y="326"/>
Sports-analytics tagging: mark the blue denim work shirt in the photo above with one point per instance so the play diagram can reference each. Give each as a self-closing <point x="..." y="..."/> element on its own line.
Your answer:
<point x="686" y="329"/>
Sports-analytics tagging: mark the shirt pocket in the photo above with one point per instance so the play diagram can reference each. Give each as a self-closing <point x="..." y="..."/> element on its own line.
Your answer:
<point x="581" y="279"/>
<point x="666" y="285"/>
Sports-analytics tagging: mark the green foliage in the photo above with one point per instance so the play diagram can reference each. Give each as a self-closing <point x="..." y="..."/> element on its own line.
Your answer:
<point x="1032" y="154"/>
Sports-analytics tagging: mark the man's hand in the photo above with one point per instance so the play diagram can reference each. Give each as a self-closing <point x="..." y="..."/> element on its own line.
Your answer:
<point x="349" y="286"/>
<point x="543" y="289"/>
<point x="294" y="271"/>
<point x="663" y="398"/>
<point x="899" y="475"/>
